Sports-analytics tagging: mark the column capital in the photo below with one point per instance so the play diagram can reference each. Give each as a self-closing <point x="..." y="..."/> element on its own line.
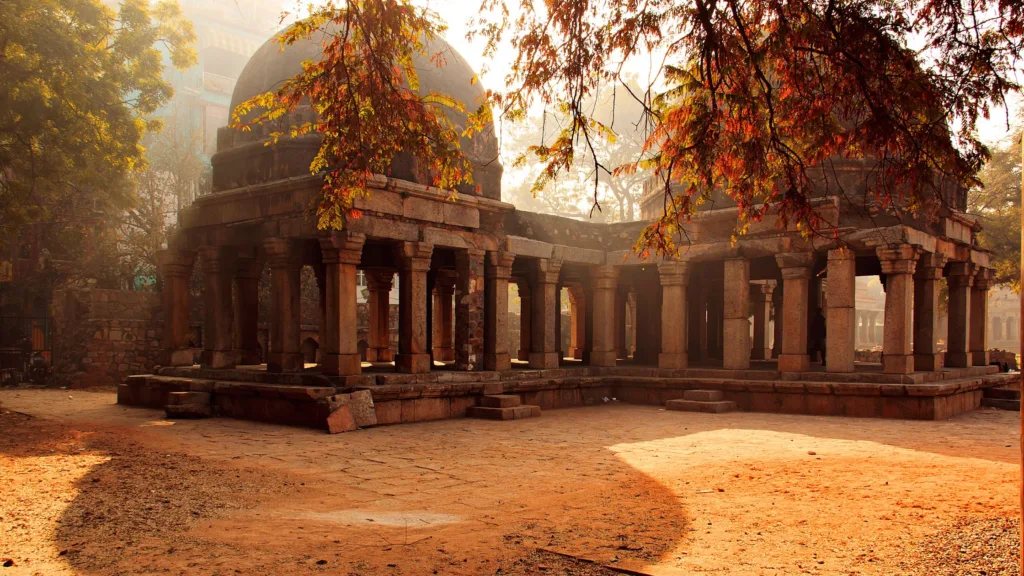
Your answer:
<point x="604" y="277"/>
<point x="929" y="266"/>
<point x="795" y="265"/>
<point x="175" y="263"/>
<point x="673" y="273"/>
<point x="499" y="265"/>
<point x="282" y="253"/>
<point x="762" y="291"/>
<point x="841" y="254"/>
<point x="248" y="267"/>
<point x="983" y="279"/>
<point x="217" y="259"/>
<point x="898" y="258"/>
<point x="415" y="256"/>
<point x="548" y="270"/>
<point x="961" y="274"/>
<point x="342" y="247"/>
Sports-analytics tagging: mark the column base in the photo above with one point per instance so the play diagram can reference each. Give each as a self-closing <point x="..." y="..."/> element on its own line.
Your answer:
<point x="603" y="358"/>
<point x="543" y="360"/>
<point x="218" y="359"/>
<point x="794" y="362"/>
<point x="736" y="357"/>
<point x="444" y="354"/>
<point x="958" y="359"/>
<point x="181" y="357"/>
<point x="413" y="363"/>
<point x="577" y="353"/>
<point x="379" y="355"/>
<point x="523" y="355"/>
<point x="249" y="357"/>
<point x="927" y="362"/>
<point x="898" y="363"/>
<point x="673" y="360"/>
<point x="980" y="358"/>
<point x="285" y="362"/>
<point x="622" y="354"/>
<point x="341" y="364"/>
<point x="498" y="361"/>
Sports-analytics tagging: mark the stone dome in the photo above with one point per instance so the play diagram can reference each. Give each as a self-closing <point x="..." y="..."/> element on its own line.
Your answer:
<point x="271" y="66"/>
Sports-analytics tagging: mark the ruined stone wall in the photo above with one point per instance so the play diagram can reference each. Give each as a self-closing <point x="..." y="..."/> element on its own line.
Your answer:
<point x="103" y="336"/>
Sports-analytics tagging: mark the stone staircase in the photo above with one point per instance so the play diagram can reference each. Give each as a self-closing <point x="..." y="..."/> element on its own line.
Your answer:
<point x="710" y="401"/>
<point x="1001" y="398"/>
<point x="502" y="407"/>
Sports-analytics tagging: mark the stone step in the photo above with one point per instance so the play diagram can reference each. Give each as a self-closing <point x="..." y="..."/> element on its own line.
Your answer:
<point x="703" y="395"/>
<point x="716" y="407"/>
<point x="1001" y="404"/>
<point x="1002" y="393"/>
<point x="188" y="411"/>
<point x="182" y="398"/>
<point x="509" y="413"/>
<point x="500" y="401"/>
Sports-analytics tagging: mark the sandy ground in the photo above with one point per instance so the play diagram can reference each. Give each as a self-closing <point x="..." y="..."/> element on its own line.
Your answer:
<point x="89" y="487"/>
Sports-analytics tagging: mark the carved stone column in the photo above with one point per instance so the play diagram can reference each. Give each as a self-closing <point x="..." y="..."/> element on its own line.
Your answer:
<point x="621" y="303"/>
<point x="285" y="261"/>
<point x="525" y="319"/>
<point x="926" y="312"/>
<point x="498" y="271"/>
<point x="342" y="252"/>
<point x="736" y="315"/>
<point x="176" y="271"/>
<point x="960" y="279"/>
<point x="979" y="317"/>
<point x="469" y="309"/>
<point x="544" y="347"/>
<point x="761" y="301"/>
<point x="444" y="317"/>
<point x="841" y="312"/>
<point x="246" y="316"/>
<point x="218" y="271"/>
<point x="796" y="274"/>
<point x="577" y="322"/>
<point x="379" y="283"/>
<point x="674" y="277"/>
<point x="898" y="265"/>
<point x="413" y="356"/>
<point x="604" y="281"/>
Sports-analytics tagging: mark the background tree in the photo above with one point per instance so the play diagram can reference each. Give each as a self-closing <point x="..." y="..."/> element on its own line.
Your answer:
<point x="997" y="203"/>
<point x="80" y="82"/>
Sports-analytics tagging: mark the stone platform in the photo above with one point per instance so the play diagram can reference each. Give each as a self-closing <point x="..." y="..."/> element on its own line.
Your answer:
<point x="299" y="399"/>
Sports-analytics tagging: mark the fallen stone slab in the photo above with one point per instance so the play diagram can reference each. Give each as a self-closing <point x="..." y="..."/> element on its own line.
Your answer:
<point x="341" y="420"/>
<point x="359" y="403"/>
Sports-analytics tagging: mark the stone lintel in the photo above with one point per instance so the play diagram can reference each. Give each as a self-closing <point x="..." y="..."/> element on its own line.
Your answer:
<point x="579" y="255"/>
<point x="929" y="266"/>
<point x="528" y="247"/>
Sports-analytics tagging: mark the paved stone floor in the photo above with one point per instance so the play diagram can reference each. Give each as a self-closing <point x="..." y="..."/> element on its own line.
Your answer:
<point x="634" y="486"/>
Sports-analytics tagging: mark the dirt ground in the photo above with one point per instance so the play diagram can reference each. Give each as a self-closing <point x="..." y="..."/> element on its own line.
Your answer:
<point x="90" y="487"/>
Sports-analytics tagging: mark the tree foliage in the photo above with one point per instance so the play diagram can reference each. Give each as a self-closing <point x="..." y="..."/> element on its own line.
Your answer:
<point x="79" y="82"/>
<point x="997" y="204"/>
<point x="761" y="96"/>
<point x="368" y="104"/>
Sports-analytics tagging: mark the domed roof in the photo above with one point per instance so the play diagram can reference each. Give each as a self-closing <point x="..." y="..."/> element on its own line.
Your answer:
<point x="273" y="64"/>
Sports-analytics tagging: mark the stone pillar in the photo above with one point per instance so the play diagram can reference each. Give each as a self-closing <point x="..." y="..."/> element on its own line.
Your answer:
<point x="761" y="301"/>
<point x="674" y="277"/>
<point x="926" y="312"/>
<point x="525" y="320"/>
<point x="413" y="356"/>
<point x="777" y="323"/>
<point x="246" y="316"/>
<point x="444" y="318"/>
<point x="498" y="272"/>
<point x="378" y="284"/>
<point x="604" y="281"/>
<point x="342" y="252"/>
<point x="841" y="311"/>
<point x="979" y="317"/>
<point x="960" y="279"/>
<point x="898" y="264"/>
<point x="285" y="261"/>
<point x="621" y="302"/>
<point x="218" y="272"/>
<point x="796" y="274"/>
<point x="469" y="309"/>
<point x="176" y="271"/>
<point x="543" y="346"/>
<point x="577" y="322"/>
<point x="320" y="271"/>
<point x="736" y="315"/>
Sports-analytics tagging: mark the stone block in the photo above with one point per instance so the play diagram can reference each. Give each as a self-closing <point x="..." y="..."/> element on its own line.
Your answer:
<point x="527" y="247"/>
<point x="672" y="361"/>
<point x="703" y="395"/>
<point x="381" y="201"/>
<point x="188" y="411"/>
<point x="182" y="398"/>
<point x="500" y="401"/>
<point x="794" y="362"/>
<point x="490" y="413"/>
<point x="423" y="209"/>
<point x="898" y="363"/>
<point x="341" y="420"/>
<point x="461" y="215"/>
<point x="736" y="335"/>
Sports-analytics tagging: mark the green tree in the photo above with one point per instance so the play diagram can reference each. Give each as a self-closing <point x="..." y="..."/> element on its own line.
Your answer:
<point x="997" y="204"/>
<point x="79" y="83"/>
